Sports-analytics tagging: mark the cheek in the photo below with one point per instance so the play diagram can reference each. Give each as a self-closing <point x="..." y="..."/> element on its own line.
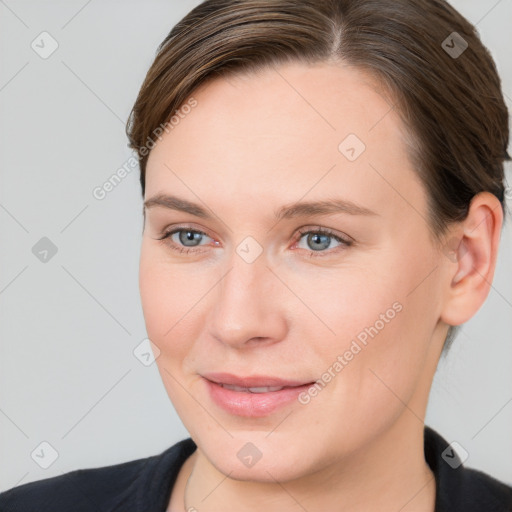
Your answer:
<point x="381" y="331"/>
<point x="163" y="297"/>
<point x="164" y="305"/>
<point x="155" y="297"/>
<point x="173" y="299"/>
<point x="379" y="374"/>
<point x="358" y="303"/>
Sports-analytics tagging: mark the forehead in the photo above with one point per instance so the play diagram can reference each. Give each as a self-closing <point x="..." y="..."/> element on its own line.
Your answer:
<point x="286" y="132"/>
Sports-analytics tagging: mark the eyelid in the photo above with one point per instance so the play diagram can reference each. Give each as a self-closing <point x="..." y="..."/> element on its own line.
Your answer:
<point x="328" y="231"/>
<point x="167" y="232"/>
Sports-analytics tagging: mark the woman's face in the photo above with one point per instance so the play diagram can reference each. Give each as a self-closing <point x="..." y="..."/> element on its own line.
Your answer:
<point x="356" y="309"/>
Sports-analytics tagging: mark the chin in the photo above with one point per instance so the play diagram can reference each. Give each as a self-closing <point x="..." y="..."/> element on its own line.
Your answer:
<point x="254" y="458"/>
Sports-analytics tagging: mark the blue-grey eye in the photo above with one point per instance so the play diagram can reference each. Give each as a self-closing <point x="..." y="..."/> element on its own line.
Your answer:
<point x="188" y="237"/>
<point x="319" y="241"/>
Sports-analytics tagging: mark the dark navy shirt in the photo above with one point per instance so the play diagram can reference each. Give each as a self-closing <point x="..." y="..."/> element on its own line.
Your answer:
<point x="144" y="485"/>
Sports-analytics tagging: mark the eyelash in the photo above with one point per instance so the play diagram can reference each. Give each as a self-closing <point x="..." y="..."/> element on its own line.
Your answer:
<point x="313" y="254"/>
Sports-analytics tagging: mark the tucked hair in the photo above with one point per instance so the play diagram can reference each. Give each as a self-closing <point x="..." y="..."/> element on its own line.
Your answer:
<point x="452" y="105"/>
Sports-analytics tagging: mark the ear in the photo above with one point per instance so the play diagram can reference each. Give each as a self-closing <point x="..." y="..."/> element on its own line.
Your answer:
<point x="471" y="253"/>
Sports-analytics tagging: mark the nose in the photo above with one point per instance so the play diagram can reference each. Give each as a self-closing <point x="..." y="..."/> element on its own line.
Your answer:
<point x="249" y="306"/>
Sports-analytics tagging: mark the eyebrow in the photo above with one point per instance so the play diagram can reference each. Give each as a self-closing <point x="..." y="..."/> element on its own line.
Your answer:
<point x="299" y="209"/>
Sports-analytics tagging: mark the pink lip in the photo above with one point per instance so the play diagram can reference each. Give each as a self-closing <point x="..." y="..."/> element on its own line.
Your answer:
<point x="245" y="403"/>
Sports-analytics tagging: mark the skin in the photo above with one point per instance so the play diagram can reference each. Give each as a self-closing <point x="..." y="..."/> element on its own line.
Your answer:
<point x="253" y="144"/>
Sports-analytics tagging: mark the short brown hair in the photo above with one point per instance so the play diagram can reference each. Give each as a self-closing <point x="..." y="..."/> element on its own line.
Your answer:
<point x="452" y="103"/>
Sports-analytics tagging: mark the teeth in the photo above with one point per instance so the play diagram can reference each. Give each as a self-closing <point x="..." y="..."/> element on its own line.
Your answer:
<point x="265" y="389"/>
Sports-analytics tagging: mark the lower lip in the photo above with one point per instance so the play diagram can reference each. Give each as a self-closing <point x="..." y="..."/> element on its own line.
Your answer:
<point x="245" y="403"/>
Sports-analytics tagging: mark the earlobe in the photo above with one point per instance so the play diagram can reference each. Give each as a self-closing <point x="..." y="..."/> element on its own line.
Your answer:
<point x="474" y="249"/>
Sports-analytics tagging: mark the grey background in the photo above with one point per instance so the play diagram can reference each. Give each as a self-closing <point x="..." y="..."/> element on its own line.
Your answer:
<point x="68" y="374"/>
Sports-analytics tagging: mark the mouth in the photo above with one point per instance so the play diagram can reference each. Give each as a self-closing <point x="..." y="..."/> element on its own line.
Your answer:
<point x="253" y="396"/>
<point x="253" y="381"/>
<point x="260" y="389"/>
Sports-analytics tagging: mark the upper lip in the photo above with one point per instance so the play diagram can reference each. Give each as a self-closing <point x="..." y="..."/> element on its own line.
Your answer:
<point x="253" y="381"/>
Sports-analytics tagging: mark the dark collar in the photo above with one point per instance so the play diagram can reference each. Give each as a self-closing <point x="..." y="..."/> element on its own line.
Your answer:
<point x="458" y="488"/>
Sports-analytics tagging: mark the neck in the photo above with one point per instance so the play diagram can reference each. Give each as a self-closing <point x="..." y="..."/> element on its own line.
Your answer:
<point x="389" y="474"/>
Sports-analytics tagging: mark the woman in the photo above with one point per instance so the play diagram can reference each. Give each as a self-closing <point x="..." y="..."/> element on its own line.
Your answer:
<point x="323" y="201"/>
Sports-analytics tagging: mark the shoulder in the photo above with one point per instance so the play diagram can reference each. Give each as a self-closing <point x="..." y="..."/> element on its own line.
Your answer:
<point x="79" y="490"/>
<point x="460" y="488"/>
<point x="96" y="489"/>
<point x="479" y="491"/>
